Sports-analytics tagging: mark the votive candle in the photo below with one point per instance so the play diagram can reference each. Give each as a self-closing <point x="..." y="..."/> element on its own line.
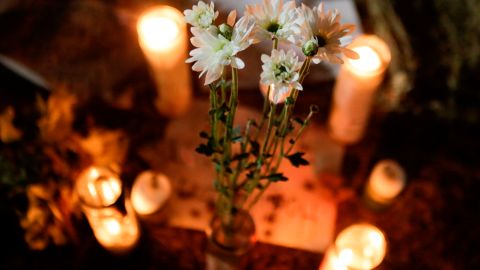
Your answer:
<point x="99" y="191"/>
<point x="359" y="247"/>
<point x="386" y="181"/>
<point x="150" y="192"/>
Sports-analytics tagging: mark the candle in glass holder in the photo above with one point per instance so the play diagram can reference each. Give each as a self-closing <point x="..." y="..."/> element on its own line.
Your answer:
<point x="162" y="35"/>
<point x="99" y="190"/>
<point x="359" y="247"/>
<point x="150" y="192"/>
<point x="386" y="181"/>
<point x="355" y="88"/>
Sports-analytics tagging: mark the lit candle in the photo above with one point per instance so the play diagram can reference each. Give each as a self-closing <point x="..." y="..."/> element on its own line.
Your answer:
<point x="355" y="88"/>
<point x="162" y="35"/>
<point x="386" y="181"/>
<point x="150" y="192"/>
<point x="99" y="190"/>
<point x="359" y="247"/>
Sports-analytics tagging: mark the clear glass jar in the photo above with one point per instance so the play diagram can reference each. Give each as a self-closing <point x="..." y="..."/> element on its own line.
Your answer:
<point x="111" y="218"/>
<point x="229" y="240"/>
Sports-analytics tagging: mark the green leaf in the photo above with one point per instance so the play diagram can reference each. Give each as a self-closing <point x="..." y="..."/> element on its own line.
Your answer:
<point x="220" y="188"/>
<point x="250" y="165"/>
<point x="297" y="160"/>
<point x="250" y="186"/>
<point x="205" y="149"/>
<point x="222" y="112"/>
<point x="276" y="177"/>
<point x="236" y="131"/>
<point x="255" y="150"/>
<point x="204" y="135"/>
<point x="298" y="120"/>
<point x="289" y="101"/>
<point x="240" y="156"/>
<point x="237" y="139"/>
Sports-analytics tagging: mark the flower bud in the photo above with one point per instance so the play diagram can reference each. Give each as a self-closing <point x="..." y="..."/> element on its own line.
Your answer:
<point x="310" y="48"/>
<point x="226" y="30"/>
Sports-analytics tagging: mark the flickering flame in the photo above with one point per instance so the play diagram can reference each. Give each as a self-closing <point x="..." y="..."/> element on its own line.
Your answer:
<point x="369" y="62"/>
<point x="158" y="29"/>
<point x="110" y="190"/>
<point x="361" y="246"/>
<point x="345" y="256"/>
<point x="112" y="226"/>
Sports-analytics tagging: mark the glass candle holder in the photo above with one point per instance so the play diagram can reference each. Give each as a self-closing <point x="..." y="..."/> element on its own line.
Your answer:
<point x="112" y="220"/>
<point x="150" y="192"/>
<point x="358" y="247"/>
<point x="385" y="183"/>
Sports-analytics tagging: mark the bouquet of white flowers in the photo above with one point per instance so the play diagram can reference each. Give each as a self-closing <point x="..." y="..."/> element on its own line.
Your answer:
<point x="247" y="160"/>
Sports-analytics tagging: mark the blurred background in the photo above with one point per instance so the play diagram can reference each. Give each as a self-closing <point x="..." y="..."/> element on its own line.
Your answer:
<point x="88" y="97"/>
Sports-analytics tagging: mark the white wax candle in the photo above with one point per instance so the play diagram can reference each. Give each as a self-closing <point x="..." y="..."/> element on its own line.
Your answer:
<point x="98" y="187"/>
<point x="99" y="190"/>
<point x="150" y="192"/>
<point x="386" y="181"/>
<point x="116" y="232"/>
<point x="355" y="88"/>
<point x="162" y="35"/>
<point x="360" y="247"/>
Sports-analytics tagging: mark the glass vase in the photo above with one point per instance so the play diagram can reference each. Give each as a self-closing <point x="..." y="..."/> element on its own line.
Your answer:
<point x="229" y="240"/>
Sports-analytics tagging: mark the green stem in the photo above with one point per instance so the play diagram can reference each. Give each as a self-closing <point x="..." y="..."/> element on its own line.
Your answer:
<point x="275" y="43"/>
<point x="271" y="117"/>
<point x="223" y="90"/>
<point x="266" y="102"/>
<point x="227" y="141"/>
<point x="286" y="114"/>
<point x="213" y="112"/>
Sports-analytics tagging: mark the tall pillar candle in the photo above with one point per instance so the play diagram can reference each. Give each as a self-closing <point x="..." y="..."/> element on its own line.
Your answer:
<point x="162" y="35"/>
<point x="355" y="88"/>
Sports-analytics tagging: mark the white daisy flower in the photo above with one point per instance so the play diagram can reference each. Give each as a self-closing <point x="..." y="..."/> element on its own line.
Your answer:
<point x="276" y="19"/>
<point x="280" y="70"/>
<point x="216" y="49"/>
<point x="201" y="15"/>
<point x="321" y="35"/>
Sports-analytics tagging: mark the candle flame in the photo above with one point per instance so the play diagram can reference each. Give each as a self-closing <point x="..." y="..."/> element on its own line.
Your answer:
<point x="346" y="256"/>
<point x="93" y="173"/>
<point x="158" y="31"/>
<point x="112" y="226"/>
<point x="110" y="190"/>
<point x="368" y="63"/>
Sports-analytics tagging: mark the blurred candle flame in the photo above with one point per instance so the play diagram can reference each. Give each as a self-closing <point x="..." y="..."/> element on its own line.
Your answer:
<point x="369" y="62"/>
<point x="158" y="33"/>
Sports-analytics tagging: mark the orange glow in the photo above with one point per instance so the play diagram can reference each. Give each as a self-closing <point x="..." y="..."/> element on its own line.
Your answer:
<point x="368" y="63"/>
<point x="148" y="198"/>
<point x="159" y="28"/>
<point x="361" y="246"/>
<point x="112" y="226"/>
